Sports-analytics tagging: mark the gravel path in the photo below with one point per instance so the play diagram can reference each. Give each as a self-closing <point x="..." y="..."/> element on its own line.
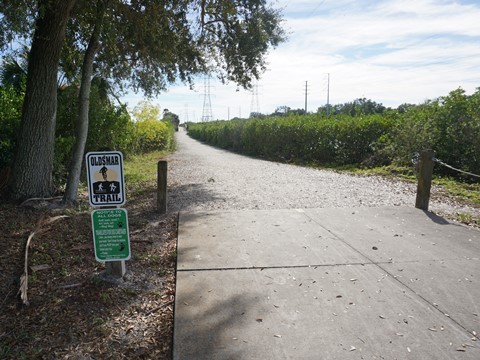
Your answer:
<point x="206" y="178"/>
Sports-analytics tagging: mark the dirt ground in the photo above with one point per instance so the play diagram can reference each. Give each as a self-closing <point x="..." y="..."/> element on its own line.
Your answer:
<point x="75" y="311"/>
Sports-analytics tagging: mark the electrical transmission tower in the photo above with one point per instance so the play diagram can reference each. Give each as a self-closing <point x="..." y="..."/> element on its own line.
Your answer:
<point x="207" y="114"/>
<point x="255" y="105"/>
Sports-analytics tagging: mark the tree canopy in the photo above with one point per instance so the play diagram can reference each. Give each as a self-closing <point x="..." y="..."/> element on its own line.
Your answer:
<point x="148" y="44"/>
<point x="140" y="44"/>
<point x="360" y="106"/>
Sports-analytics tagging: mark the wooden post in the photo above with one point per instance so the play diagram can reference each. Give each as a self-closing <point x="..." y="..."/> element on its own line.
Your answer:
<point x="424" y="179"/>
<point x="162" y="187"/>
<point x="116" y="269"/>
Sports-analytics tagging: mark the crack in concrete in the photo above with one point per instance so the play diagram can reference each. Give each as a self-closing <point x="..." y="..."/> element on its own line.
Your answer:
<point x="396" y="278"/>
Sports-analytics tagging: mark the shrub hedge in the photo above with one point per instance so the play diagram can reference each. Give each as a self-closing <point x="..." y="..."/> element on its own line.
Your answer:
<point x="450" y="125"/>
<point x="340" y="140"/>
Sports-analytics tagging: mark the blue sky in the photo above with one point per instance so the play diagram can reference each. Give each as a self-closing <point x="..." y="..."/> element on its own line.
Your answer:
<point x="391" y="51"/>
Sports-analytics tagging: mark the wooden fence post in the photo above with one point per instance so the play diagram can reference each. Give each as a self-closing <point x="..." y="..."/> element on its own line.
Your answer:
<point x="162" y="187"/>
<point x="424" y="179"/>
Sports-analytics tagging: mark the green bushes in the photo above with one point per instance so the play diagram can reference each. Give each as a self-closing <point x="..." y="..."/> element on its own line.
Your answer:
<point x="10" y="111"/>
<point x="340" y="140"/>
<point x="450" y="125"/>
<point x="153" y="135"/>
<point x="110" y="127"/>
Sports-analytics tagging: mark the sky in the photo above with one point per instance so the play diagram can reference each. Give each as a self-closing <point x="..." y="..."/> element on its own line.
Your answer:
<point x="391" y="51"/>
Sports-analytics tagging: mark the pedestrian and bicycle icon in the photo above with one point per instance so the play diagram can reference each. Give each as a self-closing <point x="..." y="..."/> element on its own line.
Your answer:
<point x="105" y="175"/>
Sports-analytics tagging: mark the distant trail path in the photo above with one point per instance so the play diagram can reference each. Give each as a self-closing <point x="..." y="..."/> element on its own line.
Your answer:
<point x="205" y="178"/>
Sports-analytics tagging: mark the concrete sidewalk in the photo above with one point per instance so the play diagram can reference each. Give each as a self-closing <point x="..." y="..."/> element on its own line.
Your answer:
<point x="360" y="283"/>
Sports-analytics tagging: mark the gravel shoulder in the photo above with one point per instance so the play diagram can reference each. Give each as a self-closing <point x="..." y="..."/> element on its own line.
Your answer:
<point x="202" y="177"/>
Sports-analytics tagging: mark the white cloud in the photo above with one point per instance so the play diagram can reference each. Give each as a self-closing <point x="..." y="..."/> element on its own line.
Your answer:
<point x="391" y="51"/>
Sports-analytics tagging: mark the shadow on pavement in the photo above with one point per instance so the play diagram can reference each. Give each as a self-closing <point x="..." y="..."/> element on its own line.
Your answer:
<point x="203" y="327"/>
<point x="435" y="218"/>
<point x="190" y="197"/>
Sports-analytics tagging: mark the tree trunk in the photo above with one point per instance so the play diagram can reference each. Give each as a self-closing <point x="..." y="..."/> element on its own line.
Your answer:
<point x="81" y="129"/>
<point x="33" y="165"/>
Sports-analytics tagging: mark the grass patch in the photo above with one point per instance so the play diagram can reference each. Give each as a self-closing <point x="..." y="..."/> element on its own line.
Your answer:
<point x="464" y="192"/>
<point x="468" y="218"/>
<point x="391" y="171"/>
<point x="141" y="170"/>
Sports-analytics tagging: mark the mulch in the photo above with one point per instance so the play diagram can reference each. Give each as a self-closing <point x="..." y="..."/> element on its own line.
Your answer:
<point x="75" y="311"/>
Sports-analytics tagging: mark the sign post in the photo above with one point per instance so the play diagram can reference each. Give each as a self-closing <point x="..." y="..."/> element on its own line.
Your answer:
<point x="106" y="190"/>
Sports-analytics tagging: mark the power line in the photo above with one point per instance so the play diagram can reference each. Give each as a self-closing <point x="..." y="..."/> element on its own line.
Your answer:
<point x="315" y="10"/>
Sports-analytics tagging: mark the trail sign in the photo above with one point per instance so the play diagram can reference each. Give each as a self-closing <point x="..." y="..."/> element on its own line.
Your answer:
<point x="106" y="186"/>
<point x="110" y="234"/>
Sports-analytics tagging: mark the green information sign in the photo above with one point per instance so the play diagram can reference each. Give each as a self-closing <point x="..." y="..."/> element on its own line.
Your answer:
<point x="110" y="234"/>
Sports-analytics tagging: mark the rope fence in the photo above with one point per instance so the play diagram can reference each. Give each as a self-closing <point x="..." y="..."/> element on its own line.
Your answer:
<point x="423" y="163"/>
<point x="416" y="165"/>
<point x="452" y="168"/>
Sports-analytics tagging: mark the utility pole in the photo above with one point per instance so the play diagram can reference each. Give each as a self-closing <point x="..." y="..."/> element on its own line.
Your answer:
<point x="306" y="96"/>
<point x="328" y="94"/>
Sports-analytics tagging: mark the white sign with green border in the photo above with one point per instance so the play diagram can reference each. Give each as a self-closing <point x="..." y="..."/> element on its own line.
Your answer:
<point x="110" y="234"/>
